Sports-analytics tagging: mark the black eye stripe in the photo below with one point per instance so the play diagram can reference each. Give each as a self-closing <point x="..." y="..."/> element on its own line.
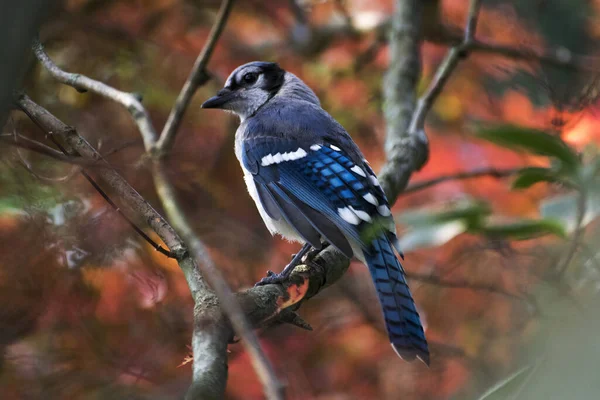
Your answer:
<point x="271" y="77"/>
<point x="249" y="78"/>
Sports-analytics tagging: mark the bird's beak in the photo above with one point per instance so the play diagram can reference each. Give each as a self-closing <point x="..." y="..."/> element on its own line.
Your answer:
<point x="223" y="96"/>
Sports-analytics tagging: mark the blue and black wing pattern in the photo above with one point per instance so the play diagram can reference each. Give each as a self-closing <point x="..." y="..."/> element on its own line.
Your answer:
<point x="321" y="191"/>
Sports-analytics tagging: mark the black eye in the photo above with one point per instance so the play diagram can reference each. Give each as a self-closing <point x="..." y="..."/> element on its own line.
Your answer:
<point x="250" y="78"/>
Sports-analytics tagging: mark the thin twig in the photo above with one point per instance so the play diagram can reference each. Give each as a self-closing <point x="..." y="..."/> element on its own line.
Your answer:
<point x="82" y="83"/>
<point x="197" y="77"/>
<point x="472" y="18"/>
<point x="456" y="53"/>
<point x="35" y="146"/>
<point x="560" y="57"/>
<point x="464" y="284"/>
<point x="477" y="173"/>
<point x="557" y="57"/>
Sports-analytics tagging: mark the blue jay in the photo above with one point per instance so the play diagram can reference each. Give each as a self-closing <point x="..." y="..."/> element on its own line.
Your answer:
<point x="310" y="182"/>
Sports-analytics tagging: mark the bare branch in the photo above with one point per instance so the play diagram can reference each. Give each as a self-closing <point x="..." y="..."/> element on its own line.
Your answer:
<point x="456" y="53"/>
<point x="464" y="284"/>
<point x="436" y="32"/>
<point x="558" y="57"/>
<point x="83" y="83"/>
<point x="197" y="77"/>
<point x="477" y="173"/>
<point x="27" y="165"/>
<point x="273" y="389"/>
<point x="406" y="151"/>
<point x="472" y="19"/>
<point x="54" y="127"/>
<point x="35" y="146"/>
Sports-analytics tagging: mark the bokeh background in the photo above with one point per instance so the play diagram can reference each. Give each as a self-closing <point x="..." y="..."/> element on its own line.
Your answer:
<point x="89" y="311"/>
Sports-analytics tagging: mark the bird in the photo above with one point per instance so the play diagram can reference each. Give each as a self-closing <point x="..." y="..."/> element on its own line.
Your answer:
<point x="311" y="184"/>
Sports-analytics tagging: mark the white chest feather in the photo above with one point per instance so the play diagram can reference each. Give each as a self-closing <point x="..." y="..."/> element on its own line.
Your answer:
<point x="275" y="227"/>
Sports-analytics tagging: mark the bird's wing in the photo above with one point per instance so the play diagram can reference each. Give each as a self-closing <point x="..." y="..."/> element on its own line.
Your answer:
<point x="319" y="190"/>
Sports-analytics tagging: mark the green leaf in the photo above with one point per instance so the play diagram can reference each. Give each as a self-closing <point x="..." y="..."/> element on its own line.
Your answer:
<point x="508" y="386"/>
<point x="530" y="176"/>
<point x="524" y="229"/>
<point x="472" y="212"/>
<point x="11" y="206"/>
<point x="565" y="208"/>
<point x="532" y="141"/>
<point x="425" y="236"/>
<point x="430" y="229"/>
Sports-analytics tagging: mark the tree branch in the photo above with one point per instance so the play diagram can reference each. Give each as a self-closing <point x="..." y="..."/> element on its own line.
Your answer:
<point x="198" y="76"/>
<point x="477" y="173"/>
<point x="82" y="84"/>
<point x="273" y="388"/>
<point x="558" y="57"/>
<point x="435" y="32"/>
<point x="463" y="284"/>
<point x="80" y="148"/>
<point x="406" y="151"/>
<point x="456" y="53"/>
<point x="40" y="148"/>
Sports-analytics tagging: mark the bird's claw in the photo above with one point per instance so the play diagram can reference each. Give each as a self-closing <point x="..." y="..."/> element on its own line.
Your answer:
<point x="271" y="278"/>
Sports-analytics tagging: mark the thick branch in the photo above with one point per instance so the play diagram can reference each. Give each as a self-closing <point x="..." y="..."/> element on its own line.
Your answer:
<point x="197" y="77"/>
<point x="82" y="83"/>
<point x="405" y="151"/>
<point x="262" y="366"/>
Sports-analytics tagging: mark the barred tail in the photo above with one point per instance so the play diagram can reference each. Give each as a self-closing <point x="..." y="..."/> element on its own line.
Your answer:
<point x="401" y="317"/>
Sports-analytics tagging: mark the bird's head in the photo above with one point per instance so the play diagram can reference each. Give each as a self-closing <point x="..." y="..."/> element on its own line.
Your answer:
<point x="248" y="88"/>
<point x="252" y="85"/>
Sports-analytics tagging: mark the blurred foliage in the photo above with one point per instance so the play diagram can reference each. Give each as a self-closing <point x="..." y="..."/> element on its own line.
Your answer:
<point x="92" y="311"/>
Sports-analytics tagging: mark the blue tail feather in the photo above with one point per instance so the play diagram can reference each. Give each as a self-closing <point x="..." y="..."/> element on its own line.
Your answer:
<point x="399" y="312"/>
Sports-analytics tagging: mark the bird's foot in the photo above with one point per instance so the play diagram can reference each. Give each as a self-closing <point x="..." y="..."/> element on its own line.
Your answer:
<point x="273" y="279"/>
<point x="306" y="253"/>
